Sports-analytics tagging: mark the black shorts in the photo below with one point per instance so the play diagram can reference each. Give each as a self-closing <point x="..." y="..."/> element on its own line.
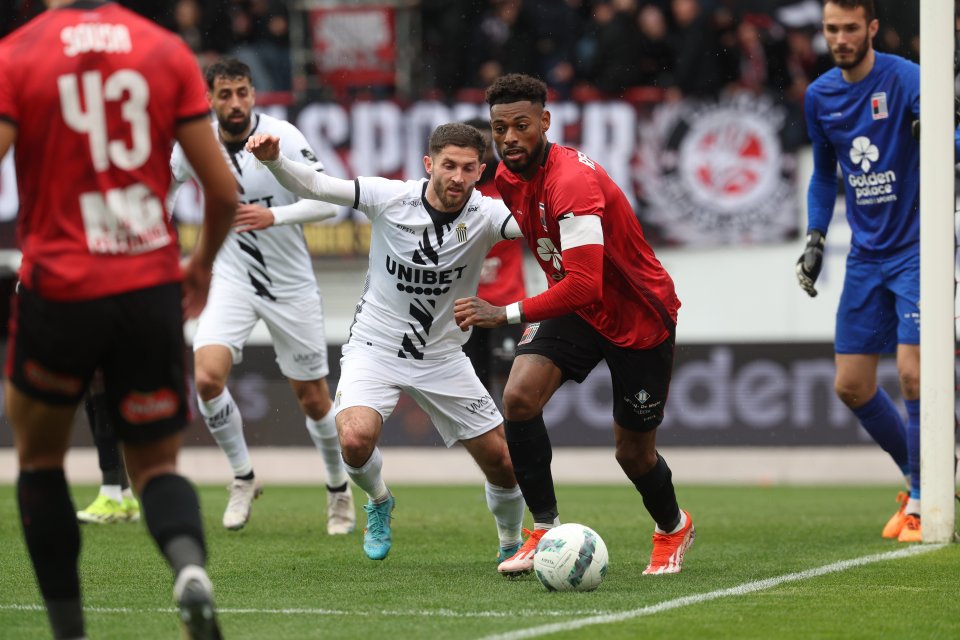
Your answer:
<point x="640" y="377"/>
<point x="135" y="338"/>
<point x="491" y="351"/>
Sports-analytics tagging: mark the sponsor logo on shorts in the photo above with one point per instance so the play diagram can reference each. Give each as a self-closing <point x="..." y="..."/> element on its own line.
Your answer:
<point x="483" y="404"/>
<point x="43" y="379"/>
<point x="640" y="402"/>
<point x="305" y="358"/>
<point x="140" y="408"/>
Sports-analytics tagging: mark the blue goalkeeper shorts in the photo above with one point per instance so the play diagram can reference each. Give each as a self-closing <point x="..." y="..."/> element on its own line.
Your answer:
<point x="879" y="305"/>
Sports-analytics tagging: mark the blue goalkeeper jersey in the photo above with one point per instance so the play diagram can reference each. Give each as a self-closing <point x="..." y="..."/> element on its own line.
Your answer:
<point x="866" y="127"/>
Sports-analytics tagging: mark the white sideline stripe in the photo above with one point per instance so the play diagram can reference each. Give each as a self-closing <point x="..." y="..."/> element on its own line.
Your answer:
<point x="597" y="617"/>
<point x="739" y="590"/>
<point x="421" y="613"/>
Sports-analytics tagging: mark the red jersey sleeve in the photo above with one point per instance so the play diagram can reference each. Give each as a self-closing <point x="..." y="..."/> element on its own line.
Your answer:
<point x="193" y="101"/>
<point x="8" y="106"/>
<point x="572" y="188"/>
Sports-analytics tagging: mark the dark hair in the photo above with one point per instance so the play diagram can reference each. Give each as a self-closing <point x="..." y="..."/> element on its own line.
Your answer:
<point x="226" y="68"/>
<point x="868" y="9"/>
<point x="457" y="134"/>
<point x="517" y="87"/>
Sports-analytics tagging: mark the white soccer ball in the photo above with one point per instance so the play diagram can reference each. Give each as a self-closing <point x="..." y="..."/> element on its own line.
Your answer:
<point x="570" y="557"/>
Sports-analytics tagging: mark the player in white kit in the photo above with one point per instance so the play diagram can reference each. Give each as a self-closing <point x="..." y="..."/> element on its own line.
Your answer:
<point x="428" y="242"/>
<point x="263" y="271"/>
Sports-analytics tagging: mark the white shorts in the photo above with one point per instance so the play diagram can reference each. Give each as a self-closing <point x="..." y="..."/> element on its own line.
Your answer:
<point x="295" y="325"/>
<point x="447" y="390"/>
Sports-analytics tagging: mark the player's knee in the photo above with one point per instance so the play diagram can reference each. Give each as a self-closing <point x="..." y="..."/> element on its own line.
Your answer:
<point x="852" y="393"/>
<point x="910" y="384"/>
<point x="519" y="405"/>
<point x="356" y="444"/>
<point x="208" y="386"/>
<point x="636" y="460"/>
<point x="315" y="406"/>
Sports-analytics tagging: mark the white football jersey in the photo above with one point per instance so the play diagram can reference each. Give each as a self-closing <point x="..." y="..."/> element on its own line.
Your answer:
<point x="272" y="263"/>
<point x="421" y="260"/>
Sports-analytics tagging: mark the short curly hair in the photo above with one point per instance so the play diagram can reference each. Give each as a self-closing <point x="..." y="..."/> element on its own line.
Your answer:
<point x="517" y="87"/>
<point x="457" y="134"/>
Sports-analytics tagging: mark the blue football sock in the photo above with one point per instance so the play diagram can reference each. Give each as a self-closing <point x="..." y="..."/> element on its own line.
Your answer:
<point x="913" y="445"/>
<point x="885" y="425"/>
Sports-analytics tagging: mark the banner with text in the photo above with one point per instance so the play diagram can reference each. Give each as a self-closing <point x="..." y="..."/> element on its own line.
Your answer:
<point x="697" y="173"/>
<point x="721" y="395"/>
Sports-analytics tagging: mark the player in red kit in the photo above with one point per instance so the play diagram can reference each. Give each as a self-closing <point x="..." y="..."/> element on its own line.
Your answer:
<point x="609" y="298"/>
<point x="501" y="282"/>
<point x="93" y="97"/>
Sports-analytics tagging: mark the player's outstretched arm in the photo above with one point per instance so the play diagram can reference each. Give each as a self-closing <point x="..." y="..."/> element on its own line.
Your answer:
<point x="299" y="178"/>
<point x="220" y="204"/>
<point x="253" y="217"/>
<point x="811" y="262"/>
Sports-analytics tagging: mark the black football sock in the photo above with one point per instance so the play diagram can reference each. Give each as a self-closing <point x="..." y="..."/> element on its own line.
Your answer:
<point x="656" y="488"/>
<point x="532" y="454"/>
<point x="172" y="512"/>
<point x="248" y="476"/>
<point x="52" y="535"/>
<point x="108" y="451"/>
<point x="339" y="489"/>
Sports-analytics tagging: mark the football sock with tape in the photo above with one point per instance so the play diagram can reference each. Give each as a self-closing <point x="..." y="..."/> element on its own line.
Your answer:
<point x="507" y="508"/>
<point x="532" y="454"/>
<point x="222" y="417"/>
<point x="323" y="432"/>
<point x="369" y="477"/>
<point x="659" y="497"/>
<point x="172" y="513"/>
<point x="52" y="536"/>
<point x="880" y="418"/>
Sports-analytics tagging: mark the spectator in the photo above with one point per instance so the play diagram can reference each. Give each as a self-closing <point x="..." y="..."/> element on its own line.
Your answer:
<point x="505" y="42"/>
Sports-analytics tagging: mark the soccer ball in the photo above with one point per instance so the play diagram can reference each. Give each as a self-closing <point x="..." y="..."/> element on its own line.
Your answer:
<point x="570" y="557"/>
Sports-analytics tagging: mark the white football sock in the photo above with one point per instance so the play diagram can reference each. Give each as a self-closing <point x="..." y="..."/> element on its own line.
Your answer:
<point x="222" y="417"/>
<point x="913" y="506"/>
<point x="507" y="507"/>
<point x="369" y="478"/>
<point x="112" y="491"/>
<point x="323" y="432"/>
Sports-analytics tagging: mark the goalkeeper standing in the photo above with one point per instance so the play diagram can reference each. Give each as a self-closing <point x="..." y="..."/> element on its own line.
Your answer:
<point x="860" y="114"/>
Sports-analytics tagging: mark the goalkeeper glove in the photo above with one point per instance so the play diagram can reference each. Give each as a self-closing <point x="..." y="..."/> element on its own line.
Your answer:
<point x="810" y="263"/>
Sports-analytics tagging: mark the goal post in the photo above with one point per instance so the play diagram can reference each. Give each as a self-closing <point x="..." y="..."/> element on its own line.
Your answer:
<point x="937" y="260"/>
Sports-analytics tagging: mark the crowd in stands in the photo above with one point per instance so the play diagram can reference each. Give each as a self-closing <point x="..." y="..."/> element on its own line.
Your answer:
<point x="636" y="49"/>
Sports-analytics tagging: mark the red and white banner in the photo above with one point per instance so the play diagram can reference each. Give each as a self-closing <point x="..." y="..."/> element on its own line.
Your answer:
<point x="354" y="47"/>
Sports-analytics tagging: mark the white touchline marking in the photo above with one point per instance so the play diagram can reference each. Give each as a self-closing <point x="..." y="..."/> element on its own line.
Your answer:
<point x="422" y="613"/>
<point x="739" y="590"/>
<point x="595" y="616"/>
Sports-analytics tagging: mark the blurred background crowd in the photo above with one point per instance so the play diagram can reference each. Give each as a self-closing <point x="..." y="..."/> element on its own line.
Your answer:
<point x="584" y="49"/>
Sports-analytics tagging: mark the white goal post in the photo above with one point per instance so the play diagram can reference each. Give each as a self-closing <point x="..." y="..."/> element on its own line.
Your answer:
<point x="937" y="260"/>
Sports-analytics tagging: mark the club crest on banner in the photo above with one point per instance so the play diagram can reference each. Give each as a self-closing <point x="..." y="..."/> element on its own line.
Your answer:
<point x="715" y="173"/>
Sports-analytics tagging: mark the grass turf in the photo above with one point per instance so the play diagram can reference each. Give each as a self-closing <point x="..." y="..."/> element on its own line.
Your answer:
<point x="283" y="577"/>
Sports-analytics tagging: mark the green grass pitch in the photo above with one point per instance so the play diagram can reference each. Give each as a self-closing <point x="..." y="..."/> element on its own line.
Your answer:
<point x="283" y="577"/>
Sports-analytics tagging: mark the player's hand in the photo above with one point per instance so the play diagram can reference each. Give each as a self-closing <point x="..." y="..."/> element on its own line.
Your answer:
<point x="252" y="217"/>
<point x="195" y="287"/>
<point x="810" y="263"/>
<point x="264" y="147"/>
<point x="475" y="312"/>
